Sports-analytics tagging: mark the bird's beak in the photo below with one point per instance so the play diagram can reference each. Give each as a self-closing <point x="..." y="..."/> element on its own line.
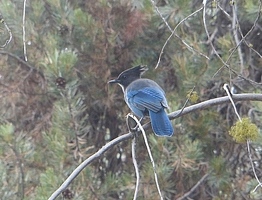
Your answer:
<point x="113" y="81"/>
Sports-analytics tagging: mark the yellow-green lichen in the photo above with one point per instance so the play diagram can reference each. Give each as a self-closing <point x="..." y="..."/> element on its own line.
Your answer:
<point x="244" y="130"/>
<point x="192" y="96"/>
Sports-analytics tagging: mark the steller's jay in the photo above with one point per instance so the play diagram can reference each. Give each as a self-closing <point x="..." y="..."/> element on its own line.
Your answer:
<point x="145" y="97"/>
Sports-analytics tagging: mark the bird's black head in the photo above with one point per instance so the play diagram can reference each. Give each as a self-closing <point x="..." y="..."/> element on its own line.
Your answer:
<point x="129" y="75"/>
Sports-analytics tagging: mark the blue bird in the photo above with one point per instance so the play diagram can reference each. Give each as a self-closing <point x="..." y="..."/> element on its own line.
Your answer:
<point x="145" y="97"/>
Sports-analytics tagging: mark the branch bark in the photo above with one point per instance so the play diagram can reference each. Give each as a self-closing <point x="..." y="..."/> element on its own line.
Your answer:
<point x="214" y="102"/>
<point x="173" y="115"/>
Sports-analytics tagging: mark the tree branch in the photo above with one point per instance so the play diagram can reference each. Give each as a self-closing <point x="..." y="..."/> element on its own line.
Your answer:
<point x="214" y="102"/>
<point x="25" y="64"/>
<point x="193" y="188"/>
<point x="95" y="156"/>
<point x="173" y="115"/>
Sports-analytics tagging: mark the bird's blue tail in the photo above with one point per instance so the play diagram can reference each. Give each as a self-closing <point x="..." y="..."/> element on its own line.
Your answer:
<point x="161" y="124"/>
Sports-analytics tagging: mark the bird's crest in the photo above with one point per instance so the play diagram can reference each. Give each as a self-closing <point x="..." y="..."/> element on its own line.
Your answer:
<point x="140" y="69"/>
<point x="129" y="75"/>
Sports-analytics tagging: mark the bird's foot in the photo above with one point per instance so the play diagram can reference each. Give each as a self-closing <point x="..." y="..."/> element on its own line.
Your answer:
<point x="132" y="124"/>
<point x="136" y="128"/>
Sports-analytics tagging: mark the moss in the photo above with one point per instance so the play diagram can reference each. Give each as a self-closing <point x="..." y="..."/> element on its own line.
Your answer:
<point x="192" y="96"/>
<point x="244" y="130"/>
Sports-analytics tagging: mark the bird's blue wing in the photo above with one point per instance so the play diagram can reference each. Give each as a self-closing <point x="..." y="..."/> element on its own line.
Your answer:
<point x="147" y="98"/>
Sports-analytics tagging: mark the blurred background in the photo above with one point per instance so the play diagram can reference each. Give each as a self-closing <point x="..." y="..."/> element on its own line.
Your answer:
<point x="57" y="109"/>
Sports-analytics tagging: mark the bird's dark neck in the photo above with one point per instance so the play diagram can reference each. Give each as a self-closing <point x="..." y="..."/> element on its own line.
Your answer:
<point x="126" y="83"/>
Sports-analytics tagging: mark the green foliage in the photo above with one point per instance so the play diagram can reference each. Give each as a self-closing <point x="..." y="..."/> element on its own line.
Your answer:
<point x="49" y="180"/>
<point x="244" y="130"/>
<point x="61" y="63"/>
<point x="6" y="132"/>
<point x="187" y="155"/>
<point x="251" y="9"/>
<point x="219" y="177"/>
<point x="57" y="109"/>
<point x="249" y="188"/>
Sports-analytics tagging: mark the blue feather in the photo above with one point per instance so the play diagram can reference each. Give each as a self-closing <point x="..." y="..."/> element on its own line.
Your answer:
<point x="161" y="124"/>
<point x="152" y="101"/>
<point x="145" y="98"/>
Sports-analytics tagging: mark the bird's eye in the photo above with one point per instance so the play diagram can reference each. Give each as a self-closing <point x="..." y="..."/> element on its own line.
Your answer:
<point x="124" y="77"/>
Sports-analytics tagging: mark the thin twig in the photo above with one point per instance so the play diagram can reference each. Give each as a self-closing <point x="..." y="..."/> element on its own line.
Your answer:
<point x="194" y="187"/>
<point x="208" y="36"/>
<point x="24" y="64"/>
<point x="21" y="169"/>
<point x="252" y="165"/>
<point x="160" y="14"/>
<point x="226" y="88"/>
<point x="225" y="64"/>
<point x="187" y="100"/>
<point x="9" y="31"/>
<point x="242" y="39"/>
<point x="135" y="166"/>
<point x="134" y="157"/>
<point x="225" y="12"/>
<point x="235" y="34"/>
<point x="173" y="32"/>
<point x="75" y="127"/>
<point x="149" y="153"/>
<point x="24" y="43"/>
<point x="251" y="29"/>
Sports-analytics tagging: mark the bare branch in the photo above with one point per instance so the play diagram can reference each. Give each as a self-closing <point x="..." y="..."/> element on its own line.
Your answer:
<point x="251" y="29"/>
<point x="252" y="165"/>
<point x="134" y="157"/>
<point x="95" y="156"/>
<point x="25" y="65"/>
<point x="173" y="32"/>
<point x="24" y="43"/>
<point x="216" y="101"/>
<point x="74" y="123"/>
<point x="21" y="169"/>
<point x="235" y="34"/>
<point x="9" y="31"/>
<point x="136" y="167"/>
<point x="149" y="153"/>
<point x="194" y="188"/>
<point x="173" y="115"/>
<point x="226" y="88"/>
<point x="242" y="39"/>
<point x="208" y="36"/>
